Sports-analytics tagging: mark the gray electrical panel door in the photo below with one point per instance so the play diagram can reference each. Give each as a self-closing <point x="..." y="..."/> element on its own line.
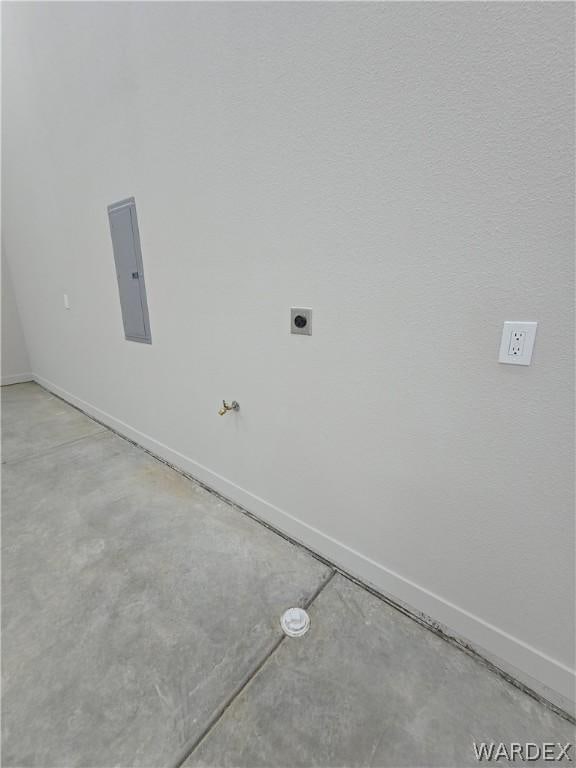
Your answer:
<point x="129" y="269"/>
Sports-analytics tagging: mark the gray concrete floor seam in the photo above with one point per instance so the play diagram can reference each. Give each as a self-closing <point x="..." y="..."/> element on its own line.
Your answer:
<point x="367" y="686"/>
<point x="56" y="447"/>
<point x="220" y="713"/>
<point x="134" y="601"/>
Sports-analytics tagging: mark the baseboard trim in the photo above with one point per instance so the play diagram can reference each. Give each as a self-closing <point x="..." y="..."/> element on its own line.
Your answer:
<point x="524" y="665"/>
<point x="16" y="378"/>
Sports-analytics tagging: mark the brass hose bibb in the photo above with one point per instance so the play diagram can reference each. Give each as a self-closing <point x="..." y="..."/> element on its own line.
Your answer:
<point x="233" y="406"/>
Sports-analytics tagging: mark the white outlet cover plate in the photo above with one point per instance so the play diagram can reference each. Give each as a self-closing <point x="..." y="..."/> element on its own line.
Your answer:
<point x="517" y="342"/>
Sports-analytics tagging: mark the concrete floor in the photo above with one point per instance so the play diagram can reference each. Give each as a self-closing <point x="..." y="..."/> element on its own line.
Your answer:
<point x="140" y="628"/>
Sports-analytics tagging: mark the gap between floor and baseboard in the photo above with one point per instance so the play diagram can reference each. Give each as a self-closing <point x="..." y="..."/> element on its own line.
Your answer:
<point x="540" y="676"/>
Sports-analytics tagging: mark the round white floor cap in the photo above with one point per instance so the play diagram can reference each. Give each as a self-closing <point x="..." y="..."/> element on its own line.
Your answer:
<point x="295" y="622"/>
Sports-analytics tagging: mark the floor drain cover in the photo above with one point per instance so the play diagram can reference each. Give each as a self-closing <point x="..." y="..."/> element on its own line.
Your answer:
<point x="295" y="622"/>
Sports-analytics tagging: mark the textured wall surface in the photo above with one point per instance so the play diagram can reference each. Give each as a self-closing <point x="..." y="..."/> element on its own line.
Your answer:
<point x="15" y="361"/>
<point x="404" y="169"/>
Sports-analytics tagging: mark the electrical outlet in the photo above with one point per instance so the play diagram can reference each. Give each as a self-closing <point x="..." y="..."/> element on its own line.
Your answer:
<point x="517" y="342"/>
<point x="66" y="301"/>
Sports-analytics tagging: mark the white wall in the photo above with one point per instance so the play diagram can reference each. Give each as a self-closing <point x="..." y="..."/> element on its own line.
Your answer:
<point x="405" y="170"/>
<point x="15" y="362"/>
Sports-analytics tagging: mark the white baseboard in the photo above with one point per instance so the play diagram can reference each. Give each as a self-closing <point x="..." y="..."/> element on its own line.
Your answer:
<point x="548" y="677"/>
<point x="16" y="378"/>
